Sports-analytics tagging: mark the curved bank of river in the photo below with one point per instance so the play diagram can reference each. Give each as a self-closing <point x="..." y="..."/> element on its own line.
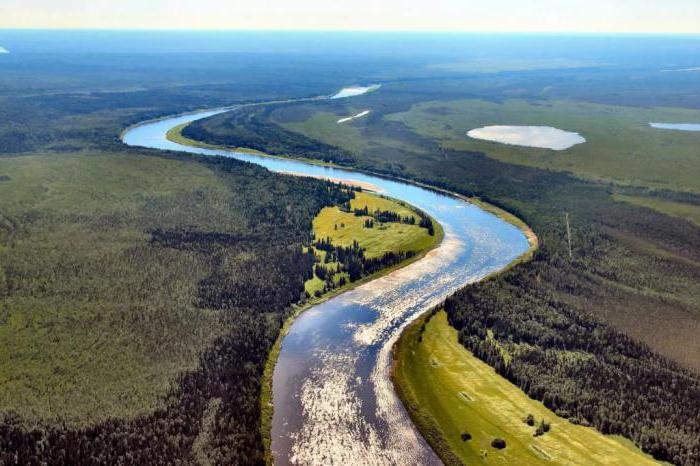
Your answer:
<point x="334" y="402"/>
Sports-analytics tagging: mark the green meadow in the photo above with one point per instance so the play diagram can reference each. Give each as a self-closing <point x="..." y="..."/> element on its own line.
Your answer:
<point x="344" y="228"/>
<point x="620" y="145"/>
<point x="689" y="212"/>
<point x="384" y="237"/>
<point x="326" y="128"/>
<point x="449" y="392"/>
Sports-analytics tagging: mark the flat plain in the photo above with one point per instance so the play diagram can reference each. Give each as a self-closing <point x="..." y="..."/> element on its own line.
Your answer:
<point x="620" y="145"/>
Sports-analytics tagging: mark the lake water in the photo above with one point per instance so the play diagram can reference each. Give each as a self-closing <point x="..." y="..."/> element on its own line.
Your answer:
<point x="354" y="91"/>
<point x="544" y="137"/>
<point x="677" y="126"/>
<point x="359" y="115"/>
<point x="334" y="402"/>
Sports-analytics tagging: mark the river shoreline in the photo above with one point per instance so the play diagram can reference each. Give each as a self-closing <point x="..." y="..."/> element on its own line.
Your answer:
<point x="266" y="407"/>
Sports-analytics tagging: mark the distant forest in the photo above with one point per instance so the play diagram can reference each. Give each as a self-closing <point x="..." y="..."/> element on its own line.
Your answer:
<point x="250" y="129"/>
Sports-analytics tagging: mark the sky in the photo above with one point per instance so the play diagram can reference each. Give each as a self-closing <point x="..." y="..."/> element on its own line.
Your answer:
<point x="572" y="16"/>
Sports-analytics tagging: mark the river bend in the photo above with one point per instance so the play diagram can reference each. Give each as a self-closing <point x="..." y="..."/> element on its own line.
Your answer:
<point x="334" y="402"/>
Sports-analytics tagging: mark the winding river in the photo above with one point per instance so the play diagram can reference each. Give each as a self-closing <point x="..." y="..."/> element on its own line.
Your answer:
<point x="334" y="402"/>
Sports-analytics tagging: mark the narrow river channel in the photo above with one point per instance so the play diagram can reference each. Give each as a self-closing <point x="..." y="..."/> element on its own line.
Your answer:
<point x="334" y="402"/>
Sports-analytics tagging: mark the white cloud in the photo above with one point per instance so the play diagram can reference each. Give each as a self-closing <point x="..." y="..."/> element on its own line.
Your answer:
<point x="4" y="50"/>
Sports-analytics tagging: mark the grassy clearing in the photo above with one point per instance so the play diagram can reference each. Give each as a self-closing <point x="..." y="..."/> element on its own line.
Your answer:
<point x="620" y="144"/>
<point x="97" y="323"/>
<point x="383" y="237"/>
<point x="360" y="135"/>
<point x="344" y="228"/>
<point x="689" y="212"/>
<point x="448" y="391"/>
<point x="326" y="128"/>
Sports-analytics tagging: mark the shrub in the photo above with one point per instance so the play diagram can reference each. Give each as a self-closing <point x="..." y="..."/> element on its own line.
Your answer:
<point x="498" y="443"/>
<point x="542" y="428"/>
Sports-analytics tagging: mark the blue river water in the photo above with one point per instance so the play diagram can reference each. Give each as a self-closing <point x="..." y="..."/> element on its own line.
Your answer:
<point x="677" y="126"/>
<point x="334" y="402"/>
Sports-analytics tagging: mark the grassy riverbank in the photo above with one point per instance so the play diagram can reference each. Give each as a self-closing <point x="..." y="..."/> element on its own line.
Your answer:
<point x="175" y="135"/>
<point x="393" y="237"/>
<point x="413" y="237"/>
<point x="613" y="272"/>
<point x="449" y="392"/>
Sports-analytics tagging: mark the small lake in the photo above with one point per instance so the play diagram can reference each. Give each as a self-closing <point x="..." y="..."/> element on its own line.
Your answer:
<point x="543" y="137"/>
<point x="677" y="126"/>
<point x="334" y="402"/>
<point x="354" y="91"/>
<point x="359" y="115"/>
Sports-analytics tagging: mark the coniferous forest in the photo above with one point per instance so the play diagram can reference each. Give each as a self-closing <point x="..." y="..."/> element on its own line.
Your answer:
<point x="256" y="272"/>
<point x="556" y="314"/>
<point x="141" y="291"/>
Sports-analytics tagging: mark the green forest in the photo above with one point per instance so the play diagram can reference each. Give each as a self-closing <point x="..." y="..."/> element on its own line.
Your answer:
<point x="141" y="291"/>
<point x="175" y="312"/>
<point x="626" y="297"/>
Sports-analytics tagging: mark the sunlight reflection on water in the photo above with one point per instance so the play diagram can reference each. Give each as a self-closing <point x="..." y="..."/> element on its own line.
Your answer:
<point x="333" y="398"/>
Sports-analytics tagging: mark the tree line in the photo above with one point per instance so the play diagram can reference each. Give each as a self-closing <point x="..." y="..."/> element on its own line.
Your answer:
<point x="256" y="273"/>
<point x="388" y="216"/>
<point x="249" y="128"/>
<point x="552" y="310"/>
<point x="351" y="261"/>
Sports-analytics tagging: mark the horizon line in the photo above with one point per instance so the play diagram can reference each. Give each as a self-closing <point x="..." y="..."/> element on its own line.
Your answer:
<point x="358" y="31"/>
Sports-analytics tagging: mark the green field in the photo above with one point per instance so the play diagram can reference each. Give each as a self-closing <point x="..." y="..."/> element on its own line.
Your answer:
<point x="378" y="240"/>
<point x="343" y="228"/>
<point x="347" y="135"/>
<point x="620" y="144"/>
<point x="95" y="322"/>
<point x="689" y="212"/>
<point x="450" y="392"/>
<point x="356" y="136"/>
